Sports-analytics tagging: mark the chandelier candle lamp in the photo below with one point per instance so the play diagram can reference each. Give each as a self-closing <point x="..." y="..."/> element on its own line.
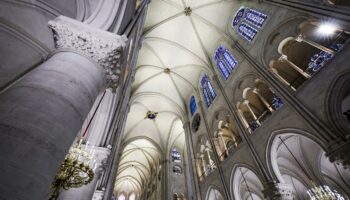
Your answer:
<point x="78" y="167"/>
<point x="75" y="171"/>
<point x="323" y="193"/>
<point x="316" y="192"/>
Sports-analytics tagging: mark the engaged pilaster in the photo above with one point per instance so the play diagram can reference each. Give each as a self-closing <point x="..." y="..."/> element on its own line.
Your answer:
<point x="105" y="48"/>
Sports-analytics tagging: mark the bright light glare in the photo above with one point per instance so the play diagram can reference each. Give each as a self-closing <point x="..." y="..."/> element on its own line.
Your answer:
<point x="326" y="29"/>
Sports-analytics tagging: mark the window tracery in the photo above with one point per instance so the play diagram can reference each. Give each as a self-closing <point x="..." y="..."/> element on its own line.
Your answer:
<point x="225" y="61"/>
<point x="208" y="91"/>
<point x="193" y="105"/>
<point x="175" y="155"/>
<point x="247" y="22"/>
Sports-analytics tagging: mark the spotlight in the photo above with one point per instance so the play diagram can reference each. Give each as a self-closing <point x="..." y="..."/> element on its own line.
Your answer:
<point x="326" y="29"/>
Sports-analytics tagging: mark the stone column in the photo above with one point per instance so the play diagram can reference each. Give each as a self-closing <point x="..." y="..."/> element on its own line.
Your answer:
<point x="301" y="38"/>
<point x="41" y="114"/>
<point x="275" y="72"/>
<point x="193" y="191"/>
<point x="267" y="104"/>
<point x="252" y="112"/>
<point x="224" y="143"/>
<point x="284" y="58"/>
<point x="204" y="165"/>
<point x="86" y="192"/>
<point x="216" y="157"/>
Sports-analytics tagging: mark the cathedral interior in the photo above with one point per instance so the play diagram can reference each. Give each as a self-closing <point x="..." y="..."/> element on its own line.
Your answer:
<point x="174" y="99"/>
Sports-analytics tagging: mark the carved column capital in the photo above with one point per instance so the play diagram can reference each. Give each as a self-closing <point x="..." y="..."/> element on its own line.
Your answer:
<point x="278" y="191"/>
<point x="339" y="153"/>
<point x="101" y="155"/>
<point x="103" y="47"/>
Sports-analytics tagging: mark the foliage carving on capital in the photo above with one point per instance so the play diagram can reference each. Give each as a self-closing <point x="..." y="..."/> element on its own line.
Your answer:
<point x="103" y="47"/>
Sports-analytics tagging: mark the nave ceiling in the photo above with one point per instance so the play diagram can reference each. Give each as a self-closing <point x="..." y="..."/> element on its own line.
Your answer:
<point x="178" y="42"/>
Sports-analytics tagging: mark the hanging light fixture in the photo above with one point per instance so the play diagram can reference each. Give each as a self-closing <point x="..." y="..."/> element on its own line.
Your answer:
<point x="75" y="171"/>
<point x="323" y="193"/>
<point x="316" y="192"/>
<point x="78" y="166"/>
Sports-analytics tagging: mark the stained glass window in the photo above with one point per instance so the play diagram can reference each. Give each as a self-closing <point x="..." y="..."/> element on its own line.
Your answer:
<point x="121" y="197"/>
<point x="225" y="61"/>
<point x="175" y="155"/>
<point x="277" y="102"/>
<point x="132" y="197"/>
<point x="208" y="90"/>
<point x="193" y="105"/>
<point x="247" y="22"/>
<point x="247" y="31"/>
<point x="255" y="17"/>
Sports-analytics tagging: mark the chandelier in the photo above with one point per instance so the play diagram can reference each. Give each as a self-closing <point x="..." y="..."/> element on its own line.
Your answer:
<point x="316" y="192"/>
<point x="323" y="193"/>
<point x="75" y="171"/>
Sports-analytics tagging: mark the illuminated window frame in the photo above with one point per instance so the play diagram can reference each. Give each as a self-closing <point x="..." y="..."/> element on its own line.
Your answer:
<point x="247" y="22"/>
<point x="208" y="91"/>
<point x="193" y="105"/>
<point x="225" y="61"/>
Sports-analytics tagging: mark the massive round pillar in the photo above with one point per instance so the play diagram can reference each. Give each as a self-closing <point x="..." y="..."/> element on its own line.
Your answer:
<point x="41" y="114"/>
<point x="39" y="118"/>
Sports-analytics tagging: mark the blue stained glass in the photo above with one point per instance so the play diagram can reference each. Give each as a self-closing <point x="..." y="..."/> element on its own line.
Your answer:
<point x="208" y="90"/>
<point x="247" y="31"/>
<point x="206" y="97"/>
<point x="224" y="61"/>
<point x="223" y="70"/>
<point x="232" y="62"/>
<point x="253" y="125"/>
<point x="248" y="22"/>
<point x="255" y="17"/>
<point x="175" y="155"/>
<point x="204" y="80"/>
<point x="193" y="105"/>
<point x="276" y="102"/>
<point x="318" y="60"/>
<point x="212" y="92"/>
<point x="238" y="17"/>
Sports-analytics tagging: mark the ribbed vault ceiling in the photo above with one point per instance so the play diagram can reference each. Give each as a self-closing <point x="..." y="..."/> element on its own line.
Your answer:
<point x="176" y="50"/>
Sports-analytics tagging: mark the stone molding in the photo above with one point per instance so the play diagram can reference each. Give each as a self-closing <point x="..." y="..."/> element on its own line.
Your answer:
<point x="98" y="195"/>
<point x="100" y="155"/>
<point x="103" y="47"/>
